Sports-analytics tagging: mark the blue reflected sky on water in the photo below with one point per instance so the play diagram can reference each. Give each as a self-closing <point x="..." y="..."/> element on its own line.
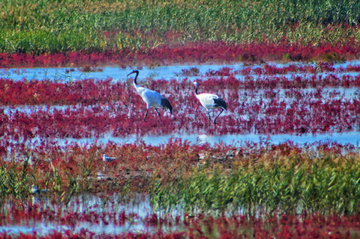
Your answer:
<point x="162" y="72"/>
<point x="116" y="73"/>
<point x="172" y="72"/>
<point x="235" y="140"/>
<point x="137" y="207"/>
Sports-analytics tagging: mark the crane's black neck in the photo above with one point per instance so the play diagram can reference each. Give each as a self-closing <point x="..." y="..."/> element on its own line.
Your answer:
<point x="196" y="88"/>
<point x="137" y="73"/>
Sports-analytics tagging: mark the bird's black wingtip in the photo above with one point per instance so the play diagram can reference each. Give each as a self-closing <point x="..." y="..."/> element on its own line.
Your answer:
<point x="220" y="103"/>
<point x="166" y="104"/>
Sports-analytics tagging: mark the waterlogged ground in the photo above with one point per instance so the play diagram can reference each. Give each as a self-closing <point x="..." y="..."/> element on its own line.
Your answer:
<point x="95" y="213"/>
<point x="70" y="111"/>
<point x="167" y="72"/>
<point x="108" y="216"/>
<point x="282" y="162"/>
<point x="264" y="97"/>
<point x="138" y="207"/>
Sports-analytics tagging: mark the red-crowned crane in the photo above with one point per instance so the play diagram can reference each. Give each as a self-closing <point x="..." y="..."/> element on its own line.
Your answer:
<point x="210" y="101"/>
<point x="151" y="98"/>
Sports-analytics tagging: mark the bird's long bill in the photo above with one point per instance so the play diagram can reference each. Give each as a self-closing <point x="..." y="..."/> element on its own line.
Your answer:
<point x="130" y="73"/>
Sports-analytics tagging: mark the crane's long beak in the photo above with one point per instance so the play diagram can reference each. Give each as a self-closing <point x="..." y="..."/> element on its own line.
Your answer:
<point x="130" y="73"/>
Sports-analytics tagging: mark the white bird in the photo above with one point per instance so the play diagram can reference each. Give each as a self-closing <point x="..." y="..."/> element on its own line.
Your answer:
<point x="36" y="190"/>
<point x="210" y="101"/>
<point x="151" y="98"/>
<point x="108" y="159"/>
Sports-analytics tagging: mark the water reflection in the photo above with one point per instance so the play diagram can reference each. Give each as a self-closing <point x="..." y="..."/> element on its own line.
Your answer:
<point x="352" y="138"/>
<point x="162" y="72"/>
<point x="136" y="206"/>
<point x="116" y="73"/>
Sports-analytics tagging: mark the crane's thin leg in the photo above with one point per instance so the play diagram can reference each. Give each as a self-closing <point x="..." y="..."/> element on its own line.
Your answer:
<point x="158" y="113"/>
<point x="208" y="112"/>
<point x="146" y="114"/>
<point x="218" y="116"/>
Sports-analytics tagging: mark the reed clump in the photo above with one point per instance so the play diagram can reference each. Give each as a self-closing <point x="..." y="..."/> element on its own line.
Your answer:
<point x="268" y="183"/>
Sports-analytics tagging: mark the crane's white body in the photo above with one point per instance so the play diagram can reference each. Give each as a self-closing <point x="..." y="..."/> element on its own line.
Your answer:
<point x="207" y="100"/>
<point x="151" y="98"/>
<point x="210" y="102"/>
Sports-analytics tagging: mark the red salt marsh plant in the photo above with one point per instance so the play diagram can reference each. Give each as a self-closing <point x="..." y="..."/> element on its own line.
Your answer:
<point x="53" y="167"/>
<point x="89" y="91"/>
<point x="236" y="226"/>
<point x="277" y="117"/>
<point x="36" y="212"/>
<point x="48" y="92"/>
<point x="145" y="168"/>
<point x="256" y="105"/>
<point x="199" y="52"/>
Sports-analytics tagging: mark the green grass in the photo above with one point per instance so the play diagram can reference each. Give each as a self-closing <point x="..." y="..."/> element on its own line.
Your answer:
<point x="17" y="178"/>
<point x="326" y="184"/>
<point x="271" y="179"/>
<point x="55" y="26"/>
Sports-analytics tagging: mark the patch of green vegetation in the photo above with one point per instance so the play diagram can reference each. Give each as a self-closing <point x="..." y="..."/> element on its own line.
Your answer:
<point x="328" y="184"/>
<point x="67" y="25"/>
<point x="268" y="178"/>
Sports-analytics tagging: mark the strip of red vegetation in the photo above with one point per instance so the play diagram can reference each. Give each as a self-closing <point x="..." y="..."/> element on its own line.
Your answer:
<point x="57" y="215"/>
<point x="90" y="92"/>
<point x="200" y="226"/>
<point x="191" y="52"/>
<point x="272" y="117"/>
<point x="254" y="106"/>
<point x="139" y="162"/>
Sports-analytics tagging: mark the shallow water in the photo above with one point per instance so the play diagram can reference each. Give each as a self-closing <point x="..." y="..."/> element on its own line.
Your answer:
<point x="174" y="72"/>
<point x="162" y="72"/>
<point x="142" y="208"/>
<point x="116" y="73"/>
<point x="236" y="140"/>
<point x="136" y="209"/>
